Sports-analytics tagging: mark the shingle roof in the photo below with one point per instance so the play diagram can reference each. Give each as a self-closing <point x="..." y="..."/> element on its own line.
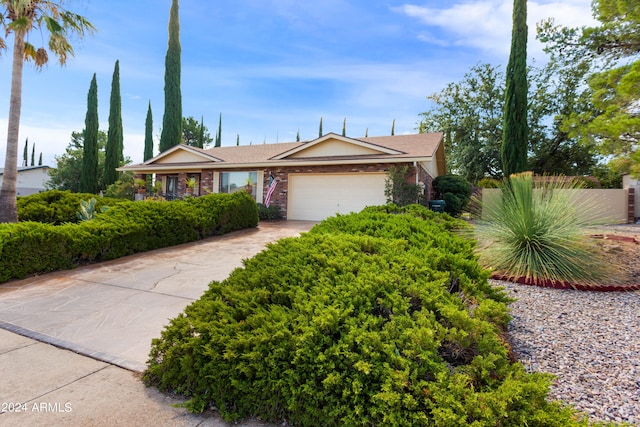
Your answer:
<point x="415" y="146"/>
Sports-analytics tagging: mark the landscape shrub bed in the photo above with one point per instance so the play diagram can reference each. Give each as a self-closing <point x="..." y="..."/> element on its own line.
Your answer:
<point x="381" y="318"/>
<point x="126" y="228"/>
<point x="58" y="207"/>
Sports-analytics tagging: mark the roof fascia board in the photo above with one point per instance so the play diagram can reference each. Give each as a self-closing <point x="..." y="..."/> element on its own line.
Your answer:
<point x="215" y="166"/>
<point x="184" y="148"/>
<point x="331" y="135"/>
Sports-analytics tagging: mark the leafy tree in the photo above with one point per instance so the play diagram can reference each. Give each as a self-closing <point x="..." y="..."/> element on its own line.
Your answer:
<point x="195" y="134"/>
<point x="66" y="175"/>
<point x="470" y="114"/>
<point x="611" y="49"/>
<point x="558" y="93"/>
<point x="89" y="171"/>
<point x="114" y="149"/>
<point x="55" y="24"/>
<point x="172" y="118"/>
<point x="515" y="130"/>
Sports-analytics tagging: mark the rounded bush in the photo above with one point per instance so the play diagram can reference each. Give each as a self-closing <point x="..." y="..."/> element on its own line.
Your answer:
<point x="454" y="190"/>
<point x="126" y="228"/>
<point x="58" y="207"/>
<point x="371" y="319"/>
<point x="489" y="183"/>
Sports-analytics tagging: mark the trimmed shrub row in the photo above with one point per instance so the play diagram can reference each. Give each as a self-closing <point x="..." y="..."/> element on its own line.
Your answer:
<point x="127" y="228"/>
<point x="382" y="318"/>
<point x="58" y="207"/>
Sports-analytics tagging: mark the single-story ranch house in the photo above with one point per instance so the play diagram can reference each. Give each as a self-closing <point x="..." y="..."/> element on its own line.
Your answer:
<point x="30" y="179"/>
<point x="313" y="179"/>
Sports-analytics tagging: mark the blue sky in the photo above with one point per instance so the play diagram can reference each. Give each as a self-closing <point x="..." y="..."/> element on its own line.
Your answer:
<point x="271" y="67"/>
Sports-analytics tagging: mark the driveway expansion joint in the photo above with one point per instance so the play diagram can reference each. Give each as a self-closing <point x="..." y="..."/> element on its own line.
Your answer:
<point x="129" y="365"/>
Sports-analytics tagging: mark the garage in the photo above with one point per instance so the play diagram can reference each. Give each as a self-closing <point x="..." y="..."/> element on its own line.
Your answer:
<point x="313" y="197"/>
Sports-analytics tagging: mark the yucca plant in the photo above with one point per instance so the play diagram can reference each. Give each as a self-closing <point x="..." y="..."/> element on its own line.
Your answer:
<point x="88" y="209"/>
<point x="539" y="233"/>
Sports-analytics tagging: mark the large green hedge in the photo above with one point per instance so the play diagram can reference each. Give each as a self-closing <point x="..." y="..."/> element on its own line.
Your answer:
<point x="127" y="228"/>
<point x="58" y="207"/>
<point x="381" y="318"/>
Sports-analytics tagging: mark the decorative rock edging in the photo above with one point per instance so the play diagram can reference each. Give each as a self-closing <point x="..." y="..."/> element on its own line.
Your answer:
<point x="626" y="239"/>
<point x="556" y="284"/>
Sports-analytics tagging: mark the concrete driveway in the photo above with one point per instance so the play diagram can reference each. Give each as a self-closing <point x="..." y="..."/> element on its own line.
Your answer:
<point x="109" y="312"/>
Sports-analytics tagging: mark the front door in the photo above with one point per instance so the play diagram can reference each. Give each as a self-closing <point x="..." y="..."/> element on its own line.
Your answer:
<point x="172" y="187"/>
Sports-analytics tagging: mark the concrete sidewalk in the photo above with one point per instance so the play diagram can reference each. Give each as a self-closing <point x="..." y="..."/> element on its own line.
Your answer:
<point x="109" y="312"/>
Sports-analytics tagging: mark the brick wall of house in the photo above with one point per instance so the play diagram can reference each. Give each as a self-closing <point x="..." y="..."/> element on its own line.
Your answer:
<point x="281" y="193"/>
<point x="281" y="174"/>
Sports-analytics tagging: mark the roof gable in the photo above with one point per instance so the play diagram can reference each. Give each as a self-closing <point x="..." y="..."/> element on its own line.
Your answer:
<point x="333" y="145"/>
<point x="182" y="154"/>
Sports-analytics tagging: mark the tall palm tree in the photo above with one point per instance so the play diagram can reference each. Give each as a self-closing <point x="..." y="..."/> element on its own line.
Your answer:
<point x="54" y="22"/>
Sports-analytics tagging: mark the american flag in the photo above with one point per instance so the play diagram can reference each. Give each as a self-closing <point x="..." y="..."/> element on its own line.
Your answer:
<point x="272" y="187"/>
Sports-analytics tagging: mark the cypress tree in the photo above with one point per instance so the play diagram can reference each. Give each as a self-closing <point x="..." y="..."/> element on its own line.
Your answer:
<point x="148" y="135"/>
<point x="237" y="139"/>
<point x="219" y="134"/>
<point x="515" y="129"/>
<point x="148" y="140"/>
<point x="172" y="119"/>
<point x="298" y="136"/>
<point x="89" y="173"/>
<point x="33" y="155"/>
<point x="344" y="127"/>
<point x="113" y="149"/>
<point x="40" y="159"/>
<point x="320" y="130"/>
<point x="366" y="133"/>
<point x="25" y="154"/>
<point x="201" y="133"/>
<point x="393" y="127"/>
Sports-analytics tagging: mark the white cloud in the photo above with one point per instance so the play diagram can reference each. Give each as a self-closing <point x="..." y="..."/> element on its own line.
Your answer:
<point x="486" y="24"/>
<point x="49" y="141"/>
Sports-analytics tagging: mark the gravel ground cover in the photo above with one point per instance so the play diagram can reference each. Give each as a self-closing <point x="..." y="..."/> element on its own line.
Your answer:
<point x="589" y="340"/>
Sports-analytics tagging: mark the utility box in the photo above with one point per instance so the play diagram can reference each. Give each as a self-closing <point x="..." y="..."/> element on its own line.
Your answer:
<point x="437" y="205"/>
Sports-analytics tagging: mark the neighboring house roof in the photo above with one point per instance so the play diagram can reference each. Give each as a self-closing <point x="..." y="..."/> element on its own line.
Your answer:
<point x="27" y="168"/>
<point x="328" y="149"/>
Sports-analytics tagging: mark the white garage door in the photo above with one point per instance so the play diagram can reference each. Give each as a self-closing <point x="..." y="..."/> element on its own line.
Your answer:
<point x="313" y="197"/>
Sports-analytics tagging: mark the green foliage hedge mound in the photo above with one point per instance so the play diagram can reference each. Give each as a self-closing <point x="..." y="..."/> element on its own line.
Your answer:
<point x="455" y="191"/>
<point x="127" y="228"/>
<point x="58" y="207"/>
<point x="381" y="318"/>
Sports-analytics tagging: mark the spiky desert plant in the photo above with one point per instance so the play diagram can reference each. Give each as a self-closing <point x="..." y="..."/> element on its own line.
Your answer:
<point x="540" y="233"/>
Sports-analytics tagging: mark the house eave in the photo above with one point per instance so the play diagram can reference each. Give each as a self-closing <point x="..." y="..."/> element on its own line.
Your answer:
<point x="165" y="168"/>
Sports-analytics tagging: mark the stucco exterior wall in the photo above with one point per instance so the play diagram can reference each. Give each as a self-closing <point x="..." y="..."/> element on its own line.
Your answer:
<point x="31" y="180"/>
